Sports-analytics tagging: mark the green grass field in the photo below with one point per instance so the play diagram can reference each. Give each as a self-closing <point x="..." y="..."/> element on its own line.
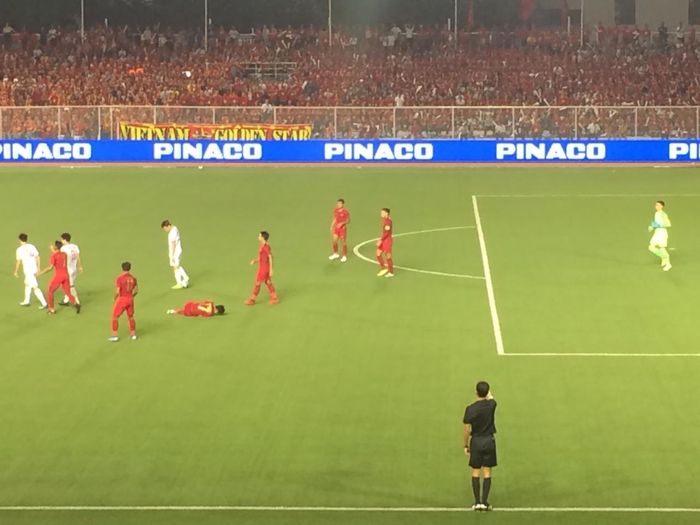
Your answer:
<point x="350" y="392"/>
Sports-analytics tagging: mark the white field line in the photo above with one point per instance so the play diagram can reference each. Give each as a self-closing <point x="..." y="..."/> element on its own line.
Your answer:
<point x="489" y="282"/>
<point x="584" y="195"/>
<point x="356" y="251"/>
<point x="596" y="354"/>
<point x="262" y="508"/>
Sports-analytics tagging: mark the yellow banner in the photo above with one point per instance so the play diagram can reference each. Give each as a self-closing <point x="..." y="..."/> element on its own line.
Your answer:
<point x="223" y="132"/>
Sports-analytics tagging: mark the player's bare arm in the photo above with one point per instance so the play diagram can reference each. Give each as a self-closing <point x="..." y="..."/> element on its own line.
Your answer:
<point x="467" y="436"/>
<point x="17" y="263"/>
<point x="206" y="308"/>
<point x="116" y="294"/>
<point x="269" y="258"/>
<point x="45" y="270"/>
<point x="80" y="264"/>
<point x="135" y="292"/>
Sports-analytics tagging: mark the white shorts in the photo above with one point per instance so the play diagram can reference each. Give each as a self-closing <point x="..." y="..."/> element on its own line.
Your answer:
<point x="72" y="275"/>
<point x="660" y="238"/>
<point x="30" y="280"/>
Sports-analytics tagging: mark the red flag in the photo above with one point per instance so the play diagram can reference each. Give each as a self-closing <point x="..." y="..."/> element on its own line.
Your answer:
<point x="470" y="15"/>
<point x="564" y="13"/>
<point x="527" y="8"/>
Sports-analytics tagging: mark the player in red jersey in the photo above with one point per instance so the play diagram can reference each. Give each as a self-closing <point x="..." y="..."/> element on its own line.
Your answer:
<point x="126" y="290"/>
<point x="59" y="264"/>
<point x="339" y="230"/>
<point x="384" y="245"/>
<point x="264" y="275"/>
<point x="199" y="309"/>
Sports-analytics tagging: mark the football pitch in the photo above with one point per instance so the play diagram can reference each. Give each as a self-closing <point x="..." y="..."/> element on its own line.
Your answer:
<point x="343" y="403"/>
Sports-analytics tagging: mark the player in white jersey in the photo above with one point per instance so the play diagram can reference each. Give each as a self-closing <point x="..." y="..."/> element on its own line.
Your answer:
<point x="75" y="264"/>
<point x="28" y="257"/>
<point x="659" y="240"/>
<point x="182" y="280"/>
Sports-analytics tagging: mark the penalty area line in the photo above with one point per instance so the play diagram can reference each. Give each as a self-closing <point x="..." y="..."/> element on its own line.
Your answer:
<point x="261" y="508"/>
<point x="356" y="251"/>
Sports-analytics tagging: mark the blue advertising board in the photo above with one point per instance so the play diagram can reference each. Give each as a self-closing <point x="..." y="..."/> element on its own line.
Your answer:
<point x="351" y="151"/>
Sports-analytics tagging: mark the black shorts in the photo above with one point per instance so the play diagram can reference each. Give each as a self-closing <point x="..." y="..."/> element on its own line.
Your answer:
<point x="482" y="452"/>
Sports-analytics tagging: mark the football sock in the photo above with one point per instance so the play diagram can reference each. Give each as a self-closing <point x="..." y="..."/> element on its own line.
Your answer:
<point x="115" y="326"/>
<point x="476" y="489"/>
<point x="335" y="247"/>
<point x="381" y="261"/>
<point x="74" y="293"/>
<point x="50" y="297"/>
<point x="271" y="289"/>
<point x="390" y="263"/>
<point x="656" y="251"/>
<point x="27" y="293"/>
<point x="345" y="250"/>
<point x="39" y="295"/>
<point x="256" y="291"/>
<point x="132" y="326"/>
<point x="183" y="274"/>
<point x="487" y="489"/>
<point x="665" y="257"/>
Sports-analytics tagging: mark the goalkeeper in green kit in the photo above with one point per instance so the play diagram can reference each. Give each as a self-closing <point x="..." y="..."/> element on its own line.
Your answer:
<point x="659" y="241"/>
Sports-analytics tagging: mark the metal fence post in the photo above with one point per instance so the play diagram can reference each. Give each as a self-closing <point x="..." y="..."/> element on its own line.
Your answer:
<point x="274" y="114"/>
<point x="2" y="134"/>
<point x="697" y="123"/>
<point x="453" y="122"/>
<point x="393" y="124"/>
<point x="99" y="122"/>
<point x="111" y="122"/>
<point x="636" y="123"/>
<point x="155" y="115"/>
<point x="58" y="115"/>
<point x="335" y="122"/>
<point x="213" y="115"/>
<point x="513" y="119"/>
<point x="576" y="122"/>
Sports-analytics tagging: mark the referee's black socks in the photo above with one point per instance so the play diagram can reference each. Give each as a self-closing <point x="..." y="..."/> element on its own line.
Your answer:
<point x="487" y="489"/>
<point x="477" y="489"/>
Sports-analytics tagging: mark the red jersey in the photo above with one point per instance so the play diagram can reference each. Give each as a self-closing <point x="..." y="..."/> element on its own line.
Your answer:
<point x="264" y="255"/>
<point x="387" y="228"/>
<point x="59" y="261"/>
<point x="126" y="283"/>
<point x="192" y="309"/>
<point x="341" y="216"/>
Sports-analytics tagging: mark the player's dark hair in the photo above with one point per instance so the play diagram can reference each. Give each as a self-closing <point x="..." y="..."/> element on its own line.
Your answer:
<point x="265" y="235"/>
<point x="126" y="266"/>
<point x="23" y="237"/>
<point x="58" y="245"/>
<point x="662" y="203"/>
<point x="220" y="309"/>
<point x="387" y="210"/>
<point x="482" y="389"/>
<point x="341" y="200"/>
<point x="66" y="237"/>
<point x="165" y="223"/>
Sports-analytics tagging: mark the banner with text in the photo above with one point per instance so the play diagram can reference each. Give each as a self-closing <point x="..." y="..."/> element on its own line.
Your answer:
<point x="223" y="132"/>
<point x="352" y="151"/>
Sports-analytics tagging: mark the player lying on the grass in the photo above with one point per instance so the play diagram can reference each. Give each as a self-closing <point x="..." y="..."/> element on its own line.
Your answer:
<point x="59" y="264"/>
<point x="182" y="280"/>
<point x="27" y="256"/>
<point x="127" y="288"/>
<point x="659" y="240"/>
<point x="264" y="274"/>
<point x="339" y="230"/>
<point x="199" y="309"/>
<point x="384" y="245"/>
<point x="75" y="264"/>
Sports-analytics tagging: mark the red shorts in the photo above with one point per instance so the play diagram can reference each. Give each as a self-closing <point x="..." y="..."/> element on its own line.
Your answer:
<point x="123" y="304"/>
<point x="262" y="276"/>
<point x="385" y="245"/>
<point x="341" y="233"/>
<point x="58" y="281"/>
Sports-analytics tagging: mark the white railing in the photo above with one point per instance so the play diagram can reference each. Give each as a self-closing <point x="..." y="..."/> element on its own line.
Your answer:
<point x="101" y="122"/>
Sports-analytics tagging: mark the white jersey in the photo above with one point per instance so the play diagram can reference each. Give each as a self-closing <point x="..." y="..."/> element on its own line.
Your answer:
<point x="27" y="253"/>
<point x="72" y="254"/>
<point x="174" y="244"/>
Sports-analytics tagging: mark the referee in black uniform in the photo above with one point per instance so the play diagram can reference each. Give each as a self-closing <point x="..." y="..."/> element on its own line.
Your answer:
<point x="480" y="443"/>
